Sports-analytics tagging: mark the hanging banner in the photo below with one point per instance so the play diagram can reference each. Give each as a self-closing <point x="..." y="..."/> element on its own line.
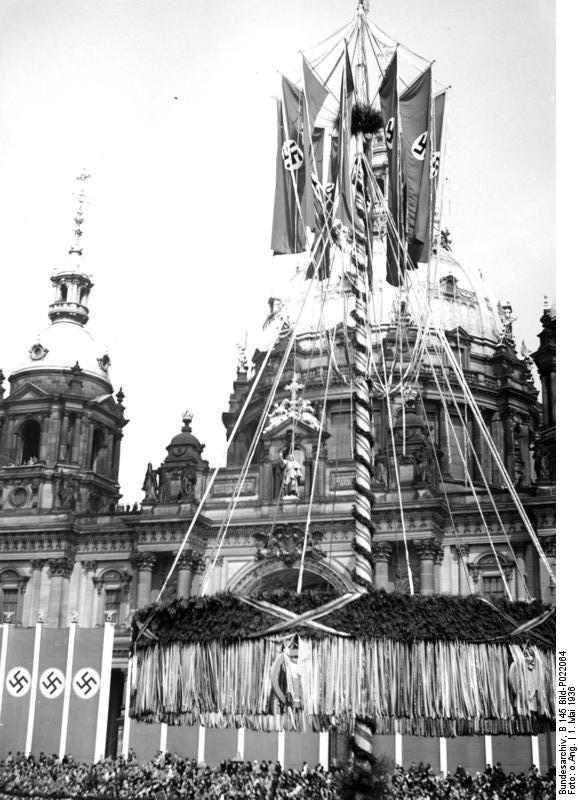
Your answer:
<point x="89" y="695"/>
<point x="18" y="644"/>
<point x="50" y="690"/>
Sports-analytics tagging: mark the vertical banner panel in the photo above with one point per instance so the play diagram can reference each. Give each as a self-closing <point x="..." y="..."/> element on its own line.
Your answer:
<point x="84" y="696"/>
<point x="300" y="747"/>
<point x="468" y="752"/>
<point x="421" y="748"/>
<point x="260" y="746"/>
<point x="50" y="690"/>
<point x="4" y="634"/>
<point x="17" y="686"/>
<point x="145" y="739"/>
<point x="513" y="752"/>
<point x="183" y="740"/>
<point x="546" y="744"/>
<point x="220" y="743"/>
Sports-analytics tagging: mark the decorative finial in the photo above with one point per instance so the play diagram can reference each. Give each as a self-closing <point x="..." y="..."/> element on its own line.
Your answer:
<point x="446" y="240"/>
<point x="242" y="360"/>
<point x="75" y="248"/>
<point x="120" y="396"/>
<point x="187" y="419"/>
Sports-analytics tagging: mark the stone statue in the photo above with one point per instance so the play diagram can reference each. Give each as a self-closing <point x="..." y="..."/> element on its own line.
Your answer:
<point x="188" y="482"/>
<point x="292" y="475"/>
<point x="150" y="485"/>
<point x="67" y="494"/>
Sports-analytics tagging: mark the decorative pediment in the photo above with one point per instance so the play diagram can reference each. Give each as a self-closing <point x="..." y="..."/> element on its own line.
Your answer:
<point x="460" y="335"/>
<point x="29" y="391"/>
<point x="106" y="402"/>
<point x="292" y="427"/>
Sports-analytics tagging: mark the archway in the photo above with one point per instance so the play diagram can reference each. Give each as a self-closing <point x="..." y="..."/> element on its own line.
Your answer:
<point x="30" y="434"/>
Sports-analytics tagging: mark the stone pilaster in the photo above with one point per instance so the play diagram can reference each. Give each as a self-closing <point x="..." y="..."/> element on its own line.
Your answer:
<point x="187" y="564"/>
<point x="381" y="552"/>
<point x="145" y="563"/>
<point x="60" y="571"/>
<point x="428" y="550"/>
<point x="460" y="557"/>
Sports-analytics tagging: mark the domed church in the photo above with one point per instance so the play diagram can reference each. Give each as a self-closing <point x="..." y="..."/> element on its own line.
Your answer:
<point x="73" y="554"/>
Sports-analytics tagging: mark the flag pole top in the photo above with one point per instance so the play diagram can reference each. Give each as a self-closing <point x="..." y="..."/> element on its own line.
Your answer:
<point x="362" y="7"/>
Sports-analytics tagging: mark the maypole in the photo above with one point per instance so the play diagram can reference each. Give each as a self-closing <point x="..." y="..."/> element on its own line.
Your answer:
<point x="363" y="440"/>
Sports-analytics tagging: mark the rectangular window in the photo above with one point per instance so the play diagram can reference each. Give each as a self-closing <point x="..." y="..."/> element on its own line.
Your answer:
<point x="9" y="601"/>
<point x="493" y="587"/>
<point x="339" y="443"/>
<point x="112" y="601"/>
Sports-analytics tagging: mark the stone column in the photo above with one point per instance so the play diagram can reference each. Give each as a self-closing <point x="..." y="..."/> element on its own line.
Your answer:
<point x="60" y="570"/>
<point x="63" y="454"/>
<point x="548" y="590"/>
<point x="116" y="455"/>
<point x="43" y="450"/>
<point x="438" y="560"/>
<point x="85" y="441"/>
<point x="90" y="593"/>
<point x="145" y="562"/>
<point x="509" y="455"/>
<point x="197" y="571"/>
<point x="460" y="555"/>
<point x="75" y="439"/>
<point x="427" y="550"/>
<point x="521" y="573"/>
<point x="10" y="444"/>
<point x="30" y="611"/>
<point x="53" y="434"/>
<point x="381" y="552"/>
<point x="187" y="562"/>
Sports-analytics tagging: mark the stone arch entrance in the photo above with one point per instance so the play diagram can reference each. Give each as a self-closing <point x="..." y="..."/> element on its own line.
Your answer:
<point x="269" y="576"/>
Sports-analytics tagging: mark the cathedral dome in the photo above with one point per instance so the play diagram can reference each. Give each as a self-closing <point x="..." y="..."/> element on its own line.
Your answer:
<point x="457" y="297"/>
<point x="63" y="344"/>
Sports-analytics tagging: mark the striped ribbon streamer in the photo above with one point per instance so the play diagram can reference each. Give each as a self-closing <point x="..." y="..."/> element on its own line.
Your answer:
<point x="362" y="735"/>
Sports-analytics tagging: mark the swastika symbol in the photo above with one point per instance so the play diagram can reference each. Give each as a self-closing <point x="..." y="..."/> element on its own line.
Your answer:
<point x="86" y="683"/>
<point x="52" y="683"/>
<point x="419" y="146"/>
<point x="292" y="155"/>
<point x="389" y="131"/>
<point x="435" y="163"/>
<point x="18" y="681"/>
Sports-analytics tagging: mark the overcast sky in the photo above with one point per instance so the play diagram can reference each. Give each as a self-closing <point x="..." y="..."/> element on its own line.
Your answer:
<point x="169" y="105"/>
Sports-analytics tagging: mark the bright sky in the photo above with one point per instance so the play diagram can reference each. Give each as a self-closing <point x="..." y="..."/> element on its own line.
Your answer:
<point x="169" y="105"/>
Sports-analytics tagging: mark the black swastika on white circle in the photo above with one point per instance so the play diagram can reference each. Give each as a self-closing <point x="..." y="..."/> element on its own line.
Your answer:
<point x="389" y="130"/>
<point x="18" y="681"/>
<point x="435" y="164"/>
<point x="52" y="683"/>
<point x="292" y="155"/>
<point x="86" y="683"/>
<point x="419" y="146"/>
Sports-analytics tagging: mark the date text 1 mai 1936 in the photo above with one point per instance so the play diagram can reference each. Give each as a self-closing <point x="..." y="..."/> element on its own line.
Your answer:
<point x="567" y="729"/>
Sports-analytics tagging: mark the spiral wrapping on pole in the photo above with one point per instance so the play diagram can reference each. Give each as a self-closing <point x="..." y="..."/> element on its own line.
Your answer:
<point x="363" y="440"/>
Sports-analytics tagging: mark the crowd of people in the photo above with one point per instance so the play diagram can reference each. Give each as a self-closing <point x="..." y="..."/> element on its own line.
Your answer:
<point x="170" y="777"/>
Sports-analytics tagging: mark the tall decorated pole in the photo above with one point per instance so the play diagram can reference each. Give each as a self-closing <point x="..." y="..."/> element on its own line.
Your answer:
<point x="364" y="123"/>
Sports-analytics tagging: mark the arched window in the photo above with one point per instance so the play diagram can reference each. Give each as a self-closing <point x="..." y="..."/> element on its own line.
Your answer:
<point x="487" y="572"/>
<point x="9" y="591"/>
<point x="30" y="435"/>
<point x="63" y="292"/>
<point x="83" y="296"/>
<point x="114" y="585"/>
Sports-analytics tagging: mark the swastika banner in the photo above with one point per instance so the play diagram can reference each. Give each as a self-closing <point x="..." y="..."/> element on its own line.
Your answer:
<point x="50" y="690"/>
<point x="86" y="693"/>
<point x="54" y="690"/>
<point x="16" y="688"/>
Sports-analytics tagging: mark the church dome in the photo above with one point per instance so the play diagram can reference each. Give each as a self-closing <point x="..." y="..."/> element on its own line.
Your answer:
<point x="63" y="344"/>
<point x="457" y="297"/>
<point x="185" y="444"/>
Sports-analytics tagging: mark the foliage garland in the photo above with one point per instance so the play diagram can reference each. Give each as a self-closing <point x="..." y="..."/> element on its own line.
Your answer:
<point x="225" y="618"/>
